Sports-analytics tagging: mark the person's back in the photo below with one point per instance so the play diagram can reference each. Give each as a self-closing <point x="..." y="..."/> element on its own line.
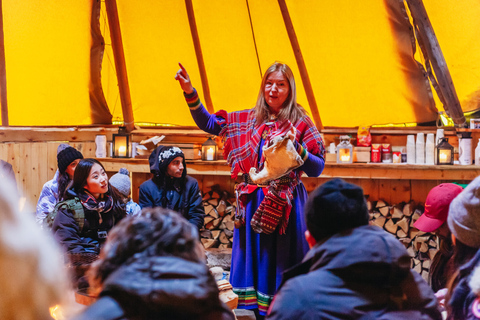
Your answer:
<point x="353" y="270"/>
<point x="152" y="267"/>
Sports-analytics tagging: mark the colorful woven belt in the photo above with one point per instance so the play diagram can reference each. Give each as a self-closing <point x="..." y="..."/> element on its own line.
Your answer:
<point x="281" y="180"/>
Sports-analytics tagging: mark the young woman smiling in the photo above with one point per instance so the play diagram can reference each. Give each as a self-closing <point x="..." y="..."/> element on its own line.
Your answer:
<point x="101" y="205"/>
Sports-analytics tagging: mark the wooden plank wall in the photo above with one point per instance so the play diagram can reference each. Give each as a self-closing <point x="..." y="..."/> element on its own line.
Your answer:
<point x="34" y="163"/>
<point x="32" y="153"/>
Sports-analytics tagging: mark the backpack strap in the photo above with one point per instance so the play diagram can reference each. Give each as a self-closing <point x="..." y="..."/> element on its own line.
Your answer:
<point x="75" y="205"/>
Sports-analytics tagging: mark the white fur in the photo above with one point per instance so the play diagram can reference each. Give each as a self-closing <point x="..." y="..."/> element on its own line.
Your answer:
<point x="474" y="282"/>
<point x="32" y="273"/>
<point x="281" y="157"/>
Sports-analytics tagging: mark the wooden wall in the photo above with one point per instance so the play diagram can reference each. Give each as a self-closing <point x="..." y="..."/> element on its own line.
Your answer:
<point x="32" y="154"/>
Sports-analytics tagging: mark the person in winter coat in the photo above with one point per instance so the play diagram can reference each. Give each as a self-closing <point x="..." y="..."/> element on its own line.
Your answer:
<point x="53" y="191"/>
<point x="465" y="300"/>
<point x="102" y="208"/>
<point x="464" y="223"/>
<point x="434" y="219"/>
<point x="353" y="270"/>
<point x="121" y="182"/>
<point x="171" y="187"/>
<point x="153" y="267"/>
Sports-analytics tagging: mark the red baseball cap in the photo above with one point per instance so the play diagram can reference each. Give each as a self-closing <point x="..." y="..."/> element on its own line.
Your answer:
<point x="436" y="207"/>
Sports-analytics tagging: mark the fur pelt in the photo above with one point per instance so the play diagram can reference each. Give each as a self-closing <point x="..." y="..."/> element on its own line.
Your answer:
<point x="32" y="274"/>
<point x="474" y="282"/>
<point x="281" y="157"/>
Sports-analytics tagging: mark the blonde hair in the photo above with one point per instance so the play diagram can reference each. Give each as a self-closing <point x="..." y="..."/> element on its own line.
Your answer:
<point x="290" y="110"/>
<point x="32" y="274"/>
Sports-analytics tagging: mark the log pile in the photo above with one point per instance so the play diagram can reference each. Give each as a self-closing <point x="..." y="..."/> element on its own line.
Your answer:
<point x="398" y="220"/>
<point x="217" y="231"/>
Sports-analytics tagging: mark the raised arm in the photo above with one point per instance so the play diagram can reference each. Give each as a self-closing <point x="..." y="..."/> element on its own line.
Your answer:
<point x="204" y="120"/>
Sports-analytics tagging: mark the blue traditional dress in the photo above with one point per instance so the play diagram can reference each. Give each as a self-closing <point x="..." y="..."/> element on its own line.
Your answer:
<point x="259" y="259"/>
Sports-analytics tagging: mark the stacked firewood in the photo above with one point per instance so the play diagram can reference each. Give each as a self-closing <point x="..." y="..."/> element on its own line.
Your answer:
<point x="219" y="219"/>
<point x="398" y="220"/>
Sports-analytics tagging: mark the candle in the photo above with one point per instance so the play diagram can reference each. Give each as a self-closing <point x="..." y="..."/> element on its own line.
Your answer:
<point x="443" y="156"/>
<point x="122" y="151"/>
<point x="210" y="153"/>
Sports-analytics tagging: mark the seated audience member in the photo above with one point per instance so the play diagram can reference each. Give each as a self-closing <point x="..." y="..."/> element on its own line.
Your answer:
<point x="434" y="220"/>
<point x="353" y="270"/>
<point x="32" y="276"/>
<point x="121" y="182"/>
<point x="153" y="267"/>
<point x="464" y="223"/>
<point x="171" y="187"/>
<point x="90" y="209"/>
<point x="54" y="190"/>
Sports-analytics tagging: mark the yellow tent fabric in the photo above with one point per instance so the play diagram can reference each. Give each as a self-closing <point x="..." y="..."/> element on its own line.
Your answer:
<point x="48" y="54"/>
<point x="358" y="55"/>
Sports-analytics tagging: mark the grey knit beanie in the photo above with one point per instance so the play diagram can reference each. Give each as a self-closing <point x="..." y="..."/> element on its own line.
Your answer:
<point x="464" y="215"/>
<point x="121" y="181"/>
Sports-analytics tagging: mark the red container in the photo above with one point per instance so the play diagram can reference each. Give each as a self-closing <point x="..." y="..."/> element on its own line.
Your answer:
<point x="386" y="153"/>
<point x="376" y="153"/>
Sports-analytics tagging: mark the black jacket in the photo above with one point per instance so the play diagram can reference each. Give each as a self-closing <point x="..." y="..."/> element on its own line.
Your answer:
<point x="465" y="301"/>
<point x="363" y="273"/>
<point x="159" y="288"/>
<point x="66" y="230"/>
<point x="187" y="200"/>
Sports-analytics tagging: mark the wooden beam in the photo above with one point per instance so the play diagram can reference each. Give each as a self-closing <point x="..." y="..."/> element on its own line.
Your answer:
<point x="301" y="64"/>
<point x="434" y="53"/>
<point x="199" y="54"/>
<point x="3" y="73"/>
<point x="120" y="66"/>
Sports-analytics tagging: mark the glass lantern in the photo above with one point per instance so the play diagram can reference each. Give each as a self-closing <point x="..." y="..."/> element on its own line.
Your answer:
<point x="444" y="152"/>
<point x="344" y="150"/>
<point x="209" y="150"/>
<point x="121" y="143"/>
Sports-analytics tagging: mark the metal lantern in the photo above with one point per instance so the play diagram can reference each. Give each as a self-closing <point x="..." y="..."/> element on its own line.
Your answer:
<point x="121" y="144"/>
<point x="444" y="152"/>
<point x="209" y="150"/>
<point x="344" y="150"/>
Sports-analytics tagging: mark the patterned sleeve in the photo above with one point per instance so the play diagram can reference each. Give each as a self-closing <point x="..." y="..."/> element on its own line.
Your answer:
<point x="310" y="148"/>
<point x="211" y="123"/>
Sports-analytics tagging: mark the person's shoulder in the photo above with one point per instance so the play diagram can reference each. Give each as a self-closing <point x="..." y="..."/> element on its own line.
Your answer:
<point x="147" y="184"/>
<point x="191" y="179"/>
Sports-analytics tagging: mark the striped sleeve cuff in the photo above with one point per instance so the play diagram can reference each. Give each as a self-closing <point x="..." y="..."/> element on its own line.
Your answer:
<point x="302" y="152"/>
<point x="193" y="100"/>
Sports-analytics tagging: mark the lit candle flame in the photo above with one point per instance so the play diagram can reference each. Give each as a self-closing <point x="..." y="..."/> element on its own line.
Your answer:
<point x="443" y="157"/>
<point x="345" y="158"/>
<point x="56" y="312"/>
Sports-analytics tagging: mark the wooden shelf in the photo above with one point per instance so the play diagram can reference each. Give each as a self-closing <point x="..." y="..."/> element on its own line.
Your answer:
<point x="332" y="170"/>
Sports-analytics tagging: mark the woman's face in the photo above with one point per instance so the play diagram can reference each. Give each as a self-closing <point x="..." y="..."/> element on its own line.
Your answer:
<point x="97" y="181"/>
<point x="71" y="168"/>
<point x="276" y="90"/>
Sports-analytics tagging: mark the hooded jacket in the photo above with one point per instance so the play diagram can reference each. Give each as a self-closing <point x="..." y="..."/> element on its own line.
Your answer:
<point x="181" y="194"/>
<point x="159" y="288"/>
<point x="361" y="273"/>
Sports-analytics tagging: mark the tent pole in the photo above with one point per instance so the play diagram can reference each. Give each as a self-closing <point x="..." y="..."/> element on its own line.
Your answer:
<point x="434" y="52"/>
<point x="3" y="73"/>
<point x="199" y="54"/>
<point x="301" y="64"/>
<point x="120" y="67"/>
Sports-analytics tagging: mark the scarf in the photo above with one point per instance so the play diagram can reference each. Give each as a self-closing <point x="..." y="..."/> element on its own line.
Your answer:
<point x="103" y="204"/>
<point x="242" y="143"/>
